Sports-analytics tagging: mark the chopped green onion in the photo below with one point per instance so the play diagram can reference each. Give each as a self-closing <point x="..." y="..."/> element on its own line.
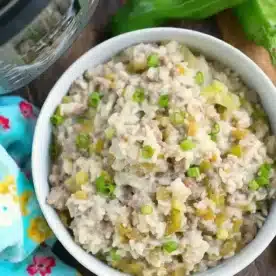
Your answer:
<point x="109" y="133"/>
<point x="114" y="255"/>
<point x="204" y="166"/>
<point x="215" y="129"/>
<point x="147" y="152"/>
<point x="193" y="172"/>
<point x="163" y="101"/>
<point x="187" y="144"/>
<point x="139" y="95"/>
<point x="82" y="141"/>
<point x="262" y="181"/>
<point x="57" y="120"/>
<point x="253" y="185"/>
<point x="94" y="99"/>
<point x="176" y="204"/>
<point x="177" y="118"/>
<point x="236" y="150"/>
<point x="104" y="188"/>
<point x="146" y="209"/>
<point x="213" y="137"/>
<point x="170" y="246"/>
<point x="265" y="170"/>
<point x="199" y="78"/>
<point x="153" y="60"/>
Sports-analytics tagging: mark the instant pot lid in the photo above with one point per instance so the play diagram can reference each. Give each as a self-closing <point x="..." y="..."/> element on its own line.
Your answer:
<point x="15" y="15"/>
<point x="5" y="5"/>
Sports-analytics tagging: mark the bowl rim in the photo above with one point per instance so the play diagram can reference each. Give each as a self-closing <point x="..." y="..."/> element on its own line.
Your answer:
<point x="228" y="267"/>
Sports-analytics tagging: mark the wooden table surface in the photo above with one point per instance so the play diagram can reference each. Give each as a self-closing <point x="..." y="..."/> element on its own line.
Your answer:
<point x="37" y="91"/>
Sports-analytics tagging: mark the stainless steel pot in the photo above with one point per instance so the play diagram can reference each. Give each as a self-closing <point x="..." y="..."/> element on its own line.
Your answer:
<point x="35" y="33"/>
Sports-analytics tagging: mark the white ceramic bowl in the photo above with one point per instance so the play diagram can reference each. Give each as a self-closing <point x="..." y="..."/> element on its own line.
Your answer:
<point x="207" y="45"/>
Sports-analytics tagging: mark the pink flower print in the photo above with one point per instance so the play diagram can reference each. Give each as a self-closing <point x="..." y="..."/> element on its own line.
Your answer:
<point x="26" y="109"/>
<point x="41" y="266"/>
<point x="4" y="122"/>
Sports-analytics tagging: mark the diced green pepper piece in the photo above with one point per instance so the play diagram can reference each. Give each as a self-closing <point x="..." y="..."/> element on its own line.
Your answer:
<point x="257" y="19"/>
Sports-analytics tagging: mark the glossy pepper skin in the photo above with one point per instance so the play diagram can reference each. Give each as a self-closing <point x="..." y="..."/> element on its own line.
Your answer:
<point x="139" y="14"/>
<point x="258" y="19"/>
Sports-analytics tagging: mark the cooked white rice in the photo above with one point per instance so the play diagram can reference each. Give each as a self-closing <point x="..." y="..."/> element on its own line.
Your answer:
<point x="162" y="162"/>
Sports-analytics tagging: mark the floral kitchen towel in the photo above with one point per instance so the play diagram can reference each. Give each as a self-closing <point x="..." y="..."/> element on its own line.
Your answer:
<point x="23" y="230"/>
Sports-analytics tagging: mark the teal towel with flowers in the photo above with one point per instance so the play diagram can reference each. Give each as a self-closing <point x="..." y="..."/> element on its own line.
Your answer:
<point x="26" y="239"/>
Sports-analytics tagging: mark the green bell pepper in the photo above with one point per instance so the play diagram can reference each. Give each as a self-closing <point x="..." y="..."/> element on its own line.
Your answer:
<point x="138" y="14"/>
<point x="258" y="18"/>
